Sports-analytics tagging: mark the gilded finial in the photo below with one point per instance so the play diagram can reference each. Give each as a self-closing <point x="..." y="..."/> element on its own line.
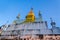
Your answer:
<point x="31" y="8"/>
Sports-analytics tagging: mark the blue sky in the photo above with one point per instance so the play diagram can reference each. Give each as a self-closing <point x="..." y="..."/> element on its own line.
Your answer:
<point x="9" y="9"/>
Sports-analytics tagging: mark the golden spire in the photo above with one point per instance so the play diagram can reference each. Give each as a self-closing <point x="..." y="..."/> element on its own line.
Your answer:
<point x="30" y="17"/>
<point x="31" y="12"/>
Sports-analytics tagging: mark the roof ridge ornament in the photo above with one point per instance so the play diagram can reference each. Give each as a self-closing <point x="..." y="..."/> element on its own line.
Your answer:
<point x="40" y="15"/>
<point x="53" y="24"/>
<point x="51" y="19"/>
<point x="18" y="16"/>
